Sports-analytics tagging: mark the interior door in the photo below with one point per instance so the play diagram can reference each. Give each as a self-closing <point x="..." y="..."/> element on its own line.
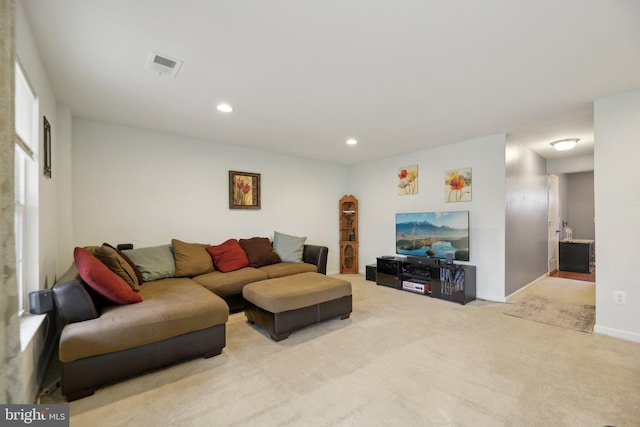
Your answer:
<point x="554" y="223"/>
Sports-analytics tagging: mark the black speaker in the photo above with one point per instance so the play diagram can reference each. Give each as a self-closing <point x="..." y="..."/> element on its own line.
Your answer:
<point x="41" y="302"/>
<point x="371" y="272"/>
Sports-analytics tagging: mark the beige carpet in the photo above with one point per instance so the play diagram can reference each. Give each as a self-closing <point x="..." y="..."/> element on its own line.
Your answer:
<point x="580" y="317"/>
<point x="401" y="359"/>
<point x="560" y="289"/>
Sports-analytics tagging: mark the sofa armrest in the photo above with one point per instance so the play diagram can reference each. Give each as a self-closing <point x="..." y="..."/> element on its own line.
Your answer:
<point x="316" y="255"/>
<point x="73" y="301"/>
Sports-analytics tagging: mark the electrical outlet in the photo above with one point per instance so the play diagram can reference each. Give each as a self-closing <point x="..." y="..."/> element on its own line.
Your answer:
<point x="619" y="297"/>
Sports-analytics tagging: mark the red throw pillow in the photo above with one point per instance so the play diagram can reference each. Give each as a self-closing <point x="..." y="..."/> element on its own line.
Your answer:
<point x="102" y="280"/>
<point x="228" y="256"/>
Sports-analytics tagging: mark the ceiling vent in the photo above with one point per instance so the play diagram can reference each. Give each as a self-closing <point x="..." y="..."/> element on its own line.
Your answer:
<point x="163" y="64"/>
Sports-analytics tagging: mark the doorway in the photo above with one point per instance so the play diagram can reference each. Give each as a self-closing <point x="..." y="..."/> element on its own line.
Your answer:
<point x="585" y="277"/>
<point x="559" y="207"/>
<point x="553" y="229"/>
<point x="576" y="210"/>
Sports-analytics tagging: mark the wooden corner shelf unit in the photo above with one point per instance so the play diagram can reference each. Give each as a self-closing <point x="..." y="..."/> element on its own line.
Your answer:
<point x="348" y="235"/>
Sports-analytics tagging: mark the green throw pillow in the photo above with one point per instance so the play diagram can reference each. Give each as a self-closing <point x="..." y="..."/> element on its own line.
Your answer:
<point x="289" y="248"/>
<point x="154" y="263"/>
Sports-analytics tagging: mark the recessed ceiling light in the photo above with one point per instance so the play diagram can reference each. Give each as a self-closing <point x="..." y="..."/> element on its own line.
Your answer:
<point x="352" y="141"/>
<point x="565" y="144"/>
<point x="225" y="108"/>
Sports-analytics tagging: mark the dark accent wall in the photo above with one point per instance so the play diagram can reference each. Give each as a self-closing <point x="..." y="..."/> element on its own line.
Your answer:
<point x="525" y="216"/>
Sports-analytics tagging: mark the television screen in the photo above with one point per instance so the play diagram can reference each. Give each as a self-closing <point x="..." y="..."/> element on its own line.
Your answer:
<point x="433" y="234"/>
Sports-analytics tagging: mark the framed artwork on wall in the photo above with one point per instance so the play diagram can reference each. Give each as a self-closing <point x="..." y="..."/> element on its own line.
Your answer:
<point x="408" y="180"/>
<point x="47" y="147"/>
<point x="457" y="185"/>
<point x="244" y="190"/>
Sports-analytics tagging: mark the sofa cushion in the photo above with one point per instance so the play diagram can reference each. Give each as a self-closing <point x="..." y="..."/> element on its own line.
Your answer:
<point x="118" y="264"/>
<point x="282" y="269"/>
<point x="259" y="251"/>
<point x="171" y="307"/>
<point x="228" y="256"/>
<point x="289" y="248"/>
<point x="104" y="281"/>
<point x="230" y="283"/>
<point x="191" y="258"/>
<point x="154" y="263"/>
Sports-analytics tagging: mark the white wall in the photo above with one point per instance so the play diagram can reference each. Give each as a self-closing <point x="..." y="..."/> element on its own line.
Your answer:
<point x="375" y="186"/>
<point x="145" y="187"/>
<point x="62" y="168"/>
<point x="617" y="208"/>
<point x="570" y="164"/>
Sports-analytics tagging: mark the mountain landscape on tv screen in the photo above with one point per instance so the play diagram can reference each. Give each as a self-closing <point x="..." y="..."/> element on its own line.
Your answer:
<point x="422" y="238"/>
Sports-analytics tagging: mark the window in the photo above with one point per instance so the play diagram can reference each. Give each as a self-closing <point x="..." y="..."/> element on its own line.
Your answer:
<point x="21" y="160"/>
<point x="26" y="188"/>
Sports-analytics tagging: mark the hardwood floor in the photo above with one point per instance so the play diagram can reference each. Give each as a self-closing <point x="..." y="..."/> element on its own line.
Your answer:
<point x="587" y="277"/>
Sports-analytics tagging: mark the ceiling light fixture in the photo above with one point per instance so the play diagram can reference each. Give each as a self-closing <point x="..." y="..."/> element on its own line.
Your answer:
<point x="565" y="144"/>
<point x="225" y="108"/>
<point x="352" y="141"/>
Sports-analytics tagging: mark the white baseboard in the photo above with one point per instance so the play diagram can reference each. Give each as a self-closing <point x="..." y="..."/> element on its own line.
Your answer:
<point x="492" y="298"/>
<point x="513" y="295"/>
<point x="618" y="333"/>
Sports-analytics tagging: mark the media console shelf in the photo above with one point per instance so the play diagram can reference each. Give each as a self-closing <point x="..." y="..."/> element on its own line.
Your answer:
<point x="451" y="282"/>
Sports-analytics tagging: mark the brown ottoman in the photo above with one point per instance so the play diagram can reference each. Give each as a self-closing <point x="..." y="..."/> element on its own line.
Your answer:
<point x="288" y="303"/>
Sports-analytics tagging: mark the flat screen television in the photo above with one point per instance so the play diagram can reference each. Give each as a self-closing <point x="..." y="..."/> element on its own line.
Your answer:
<point x="433" y="234"/>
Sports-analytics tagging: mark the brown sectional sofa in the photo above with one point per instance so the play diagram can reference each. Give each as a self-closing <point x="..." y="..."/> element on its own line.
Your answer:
<point x="178" y="319"/>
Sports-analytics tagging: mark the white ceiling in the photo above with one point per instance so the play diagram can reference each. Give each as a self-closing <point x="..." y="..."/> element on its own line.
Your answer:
<point x="304" y="76"/>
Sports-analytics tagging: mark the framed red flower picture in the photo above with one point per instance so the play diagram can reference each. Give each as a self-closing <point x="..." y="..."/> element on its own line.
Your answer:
<point x="244" y="190"/>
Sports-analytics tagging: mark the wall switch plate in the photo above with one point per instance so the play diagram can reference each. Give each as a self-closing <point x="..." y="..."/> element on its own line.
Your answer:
<point x="619" y="297"/>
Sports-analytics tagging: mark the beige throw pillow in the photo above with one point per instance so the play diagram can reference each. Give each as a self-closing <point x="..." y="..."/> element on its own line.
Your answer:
<point x="192" y="259"/>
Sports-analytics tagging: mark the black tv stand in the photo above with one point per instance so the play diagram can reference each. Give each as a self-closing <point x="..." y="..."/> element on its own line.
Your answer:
<point x="428" y="276"/>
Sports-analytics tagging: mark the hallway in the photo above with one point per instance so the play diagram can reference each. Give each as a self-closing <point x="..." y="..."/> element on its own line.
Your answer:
<point x="586" y="277"/>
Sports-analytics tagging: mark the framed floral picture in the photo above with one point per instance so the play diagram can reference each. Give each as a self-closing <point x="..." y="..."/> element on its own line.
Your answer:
<point x="457" y="185"/>
<point x="244" y="190"/>
<point x="408" y="180"/>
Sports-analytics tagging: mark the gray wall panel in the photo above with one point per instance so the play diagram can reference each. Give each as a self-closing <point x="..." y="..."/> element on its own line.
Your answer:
<point x="526" y="216"/>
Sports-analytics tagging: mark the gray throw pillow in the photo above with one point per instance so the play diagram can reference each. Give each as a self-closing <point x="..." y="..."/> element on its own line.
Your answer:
<point x="154" y="263"/>
<point x="289" y="248"/>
